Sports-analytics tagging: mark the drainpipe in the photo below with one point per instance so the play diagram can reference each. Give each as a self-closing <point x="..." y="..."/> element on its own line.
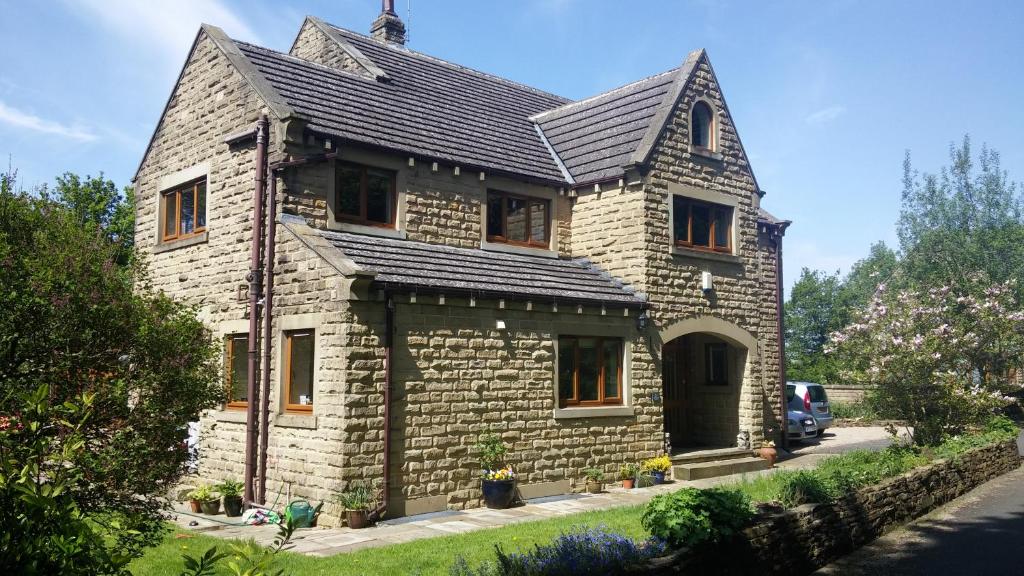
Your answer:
<point x="783" y="414"/>
<point x="255" y="283"/>
<point x="389" y="340"/>
<point x="268" y="308"/>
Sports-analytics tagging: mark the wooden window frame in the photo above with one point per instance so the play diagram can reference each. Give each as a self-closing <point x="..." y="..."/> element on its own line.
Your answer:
<point x="709" y="349"/>
<point x="713" y="211"/>
<point x="711" y="127"/>
<point x="602" y="400"/>
<point x="229" y="360"/>
<point x="287" y="371"/>
<point x="192" y="187"/>
<point x="530" y="201"/>
<point x="362" y="220"/>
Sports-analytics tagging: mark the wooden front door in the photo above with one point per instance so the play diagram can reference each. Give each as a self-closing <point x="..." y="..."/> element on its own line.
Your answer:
<point x="674" y="357"/>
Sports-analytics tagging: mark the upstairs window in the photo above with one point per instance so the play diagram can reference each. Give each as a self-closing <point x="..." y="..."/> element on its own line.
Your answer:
<point x="702" y="225"/>
<point x="237" y="364"/>
<point x="184" y="211"/>
<point x="518" y="220"/>
<point x="365" y="195"/>
<point x="298" y="370"/>
<point x="702" y="126"/>
<point x="589" y="371"/>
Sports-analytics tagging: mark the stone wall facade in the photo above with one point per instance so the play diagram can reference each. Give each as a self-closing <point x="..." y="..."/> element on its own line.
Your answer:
<point x="803" y="539"/>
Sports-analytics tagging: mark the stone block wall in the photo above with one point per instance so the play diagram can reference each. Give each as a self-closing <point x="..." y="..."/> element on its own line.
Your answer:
<point x="803" y="539"/>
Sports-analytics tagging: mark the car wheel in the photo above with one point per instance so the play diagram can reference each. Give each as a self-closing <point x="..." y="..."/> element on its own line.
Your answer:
<point x="820" y="433"/>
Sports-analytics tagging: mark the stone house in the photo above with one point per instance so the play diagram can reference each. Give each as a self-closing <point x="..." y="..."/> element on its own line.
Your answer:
<point x="595" y="280"/>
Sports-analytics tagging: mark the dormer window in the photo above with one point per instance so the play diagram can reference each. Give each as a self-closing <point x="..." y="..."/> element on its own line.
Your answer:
<point x="365" y="195"/>
<point x="702" y="127"/>
<point x="518" y="220"/>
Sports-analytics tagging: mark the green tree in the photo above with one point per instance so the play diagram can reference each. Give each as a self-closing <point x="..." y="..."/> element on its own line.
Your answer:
<point x="814" y="310"/>
<point x="880" y="265"/>
<point x="95" y="203"/>
<point x="965" y="219"/>
<point x="79" y="324"/>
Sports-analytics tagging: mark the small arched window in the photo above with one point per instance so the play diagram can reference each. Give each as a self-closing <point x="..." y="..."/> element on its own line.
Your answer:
<point x="702" y="126"/>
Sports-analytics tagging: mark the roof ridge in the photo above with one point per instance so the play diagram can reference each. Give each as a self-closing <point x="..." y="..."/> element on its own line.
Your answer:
<point x="411" y="52"/>
<point x="587" y="100"/>
<point x="325" y="67"/>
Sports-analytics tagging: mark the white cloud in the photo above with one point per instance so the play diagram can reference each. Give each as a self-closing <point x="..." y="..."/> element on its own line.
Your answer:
<point x="168" y="27"/>
<point x="21" y="119"/>
<point x="825" y="115"/>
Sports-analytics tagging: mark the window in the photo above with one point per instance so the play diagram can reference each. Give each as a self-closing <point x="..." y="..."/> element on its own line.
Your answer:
<point x="184" y="211"/>
<point x="589" y="371"/>
<point x="237" y="362"/>
<point x="518" y="220"/>
<point x="701" y="225"/>
<point x="364" y="195"/>
<point x="298" y="370"/>
<point x="716" y="364"/>
<point x="702" y="126"/>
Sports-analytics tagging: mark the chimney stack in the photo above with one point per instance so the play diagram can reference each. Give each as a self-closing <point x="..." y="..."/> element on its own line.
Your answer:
<point x="388" y="27"/>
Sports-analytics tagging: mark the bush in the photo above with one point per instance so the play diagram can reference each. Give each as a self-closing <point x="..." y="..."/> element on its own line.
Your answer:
<point x="803" y="487"/>
<point x="997" y="429"/>
<point x="692" y="516"/>
<point x="859" y="410"/>
<point x="580" y="551"/>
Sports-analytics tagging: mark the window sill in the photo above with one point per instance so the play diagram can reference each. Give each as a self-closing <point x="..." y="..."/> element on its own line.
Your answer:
<point x="714" y="256"/>
<point x="379" y="231"/>
<point x="236" y="415"/>
<point x="200" y="238"/>
<point x="706" y="153"/>
<point x="513" y="249"/>
<point x="306" y="421"/>
<point x="593" y="412"/>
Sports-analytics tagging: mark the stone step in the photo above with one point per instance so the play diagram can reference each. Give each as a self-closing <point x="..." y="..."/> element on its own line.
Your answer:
<point x="700" y="470"/>
<point x="711" y="455"/>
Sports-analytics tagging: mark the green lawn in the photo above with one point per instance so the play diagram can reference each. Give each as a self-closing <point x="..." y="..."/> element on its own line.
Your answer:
<point x="424" y="557"/>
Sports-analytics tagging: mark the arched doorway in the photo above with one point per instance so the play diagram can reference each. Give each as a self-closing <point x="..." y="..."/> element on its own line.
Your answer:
<point x="706" y="373"/>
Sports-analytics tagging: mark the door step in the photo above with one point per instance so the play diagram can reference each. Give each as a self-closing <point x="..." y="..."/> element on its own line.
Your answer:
<point x="693" y="457"/>
<point x="711" y="469"/>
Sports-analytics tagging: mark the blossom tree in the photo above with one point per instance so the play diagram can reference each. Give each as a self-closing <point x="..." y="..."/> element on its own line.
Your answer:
<point x="936" y="359"/>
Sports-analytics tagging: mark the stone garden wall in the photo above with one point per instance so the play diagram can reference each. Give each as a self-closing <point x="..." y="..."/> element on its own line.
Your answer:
<point x="803" y="539"/>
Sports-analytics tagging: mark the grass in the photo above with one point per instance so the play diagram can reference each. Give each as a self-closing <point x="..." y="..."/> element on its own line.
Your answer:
<point x="424" y="557"/>
<point x="859" y="410"/>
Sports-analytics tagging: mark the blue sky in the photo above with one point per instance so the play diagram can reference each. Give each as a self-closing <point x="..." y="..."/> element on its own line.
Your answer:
<point x="827" y="95"/>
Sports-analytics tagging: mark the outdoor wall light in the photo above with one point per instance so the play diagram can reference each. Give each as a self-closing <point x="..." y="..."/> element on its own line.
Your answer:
<point x="641" y="321"/>
<point x="500" y="325"/>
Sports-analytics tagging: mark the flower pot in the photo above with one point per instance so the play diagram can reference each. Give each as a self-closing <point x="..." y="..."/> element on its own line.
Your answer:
<point x="196" y="506"/>
<point x="499" y="493"/>
<point x="594" y="487"/>
<point x="210" y="507"/>
<point x="770" y="454"/>
<point x="233" y="505"/>
<point x="628" y="483"/>
<point x="357" y="519"/>
<point x="658" y="476"/>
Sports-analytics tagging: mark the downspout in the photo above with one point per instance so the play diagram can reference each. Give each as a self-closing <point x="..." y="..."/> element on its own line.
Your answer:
<point x="780" y="311"/>
<point x="254" y="278"/>
<point x="389" y="344"/>
<point x="268" y="308"/>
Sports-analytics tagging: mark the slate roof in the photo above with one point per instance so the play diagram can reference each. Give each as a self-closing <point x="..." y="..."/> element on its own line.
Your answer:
<point x="594" y="138"/>
<point x="766" y="217"/>
<point x="429" y="107"/>
<point x="408" y="265"/>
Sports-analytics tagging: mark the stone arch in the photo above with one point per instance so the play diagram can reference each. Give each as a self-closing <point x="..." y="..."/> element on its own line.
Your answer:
<point x="712" y="325"/>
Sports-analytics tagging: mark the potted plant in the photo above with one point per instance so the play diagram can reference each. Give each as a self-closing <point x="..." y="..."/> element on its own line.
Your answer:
<point x="209" y="500"/>
<point x="231" y="491"/>
<point x="595" y="480"/>
<point x="498" y="481"/>
<point x="658" y="466"/>
<point x="768" y="452"/>
<point x="356" y="502"/>
<point x="628" y="473"/>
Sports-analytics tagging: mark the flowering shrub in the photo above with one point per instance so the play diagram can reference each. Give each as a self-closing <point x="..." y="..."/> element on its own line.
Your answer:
<point x="658" y="464"/>
<point x="580" y="551"/>
<point x="937" y="360"/>
<point x="505" y="473"/>
<point x="692" y="516"/>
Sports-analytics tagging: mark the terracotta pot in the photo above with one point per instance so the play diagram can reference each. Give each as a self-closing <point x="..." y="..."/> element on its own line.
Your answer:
<point x="357" y="519"/>
<point x="499" y="493"/>
<point x="233" y="505"/>
<point x="210" y="507"/>
<point x="628" y="483"/>
<point x="594" y="487"/>
<point x="770" y="454"/>
<point x="196" y="507"/>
